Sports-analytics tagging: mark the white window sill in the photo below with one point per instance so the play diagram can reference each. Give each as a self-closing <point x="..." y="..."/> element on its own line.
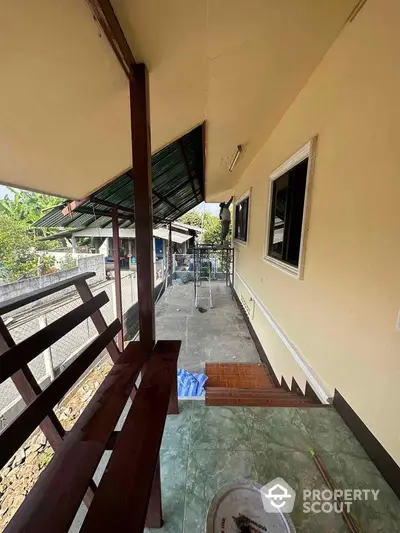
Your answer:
<point x="283" y="267"/>
<point x="240" y="243"/>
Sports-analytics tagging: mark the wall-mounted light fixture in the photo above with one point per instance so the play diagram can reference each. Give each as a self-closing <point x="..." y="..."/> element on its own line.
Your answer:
<point x="235" y="157"/>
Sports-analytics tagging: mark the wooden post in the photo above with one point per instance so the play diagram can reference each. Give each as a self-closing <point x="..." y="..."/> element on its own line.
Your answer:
<point x="117" y="276"/>
<point x="97" y="318"/>
<point x="173" y="407"/>
<point x="47" y="355"/>
<point x="154" y="518"/>
<point x="142" y="179"/>
<point x="170" y="255"/>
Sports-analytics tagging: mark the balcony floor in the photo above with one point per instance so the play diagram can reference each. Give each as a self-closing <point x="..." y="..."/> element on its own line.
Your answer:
<point x="205" y="448"/>
<point x="218" y="335"/>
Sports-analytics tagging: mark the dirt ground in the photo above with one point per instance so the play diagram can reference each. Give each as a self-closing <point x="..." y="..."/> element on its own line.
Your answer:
<point x="24" y="468"/>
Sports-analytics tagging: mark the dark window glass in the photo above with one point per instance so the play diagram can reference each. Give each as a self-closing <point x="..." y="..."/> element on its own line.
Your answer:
<point x="241" y="219"/>
<point x="286" y="217"/>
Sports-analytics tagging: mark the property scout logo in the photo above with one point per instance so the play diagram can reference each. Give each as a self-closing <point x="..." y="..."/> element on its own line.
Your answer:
<point x="279" y="497"/>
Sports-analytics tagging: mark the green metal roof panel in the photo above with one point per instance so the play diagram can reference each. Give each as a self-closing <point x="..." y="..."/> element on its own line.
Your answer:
<point x="178" y="186"/>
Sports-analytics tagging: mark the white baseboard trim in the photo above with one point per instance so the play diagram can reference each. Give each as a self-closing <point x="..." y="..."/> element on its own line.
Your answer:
<point x="311" y="378"/>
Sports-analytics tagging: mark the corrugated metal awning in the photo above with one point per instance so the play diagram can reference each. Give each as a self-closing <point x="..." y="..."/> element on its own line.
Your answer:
<point x="178" y="186"/>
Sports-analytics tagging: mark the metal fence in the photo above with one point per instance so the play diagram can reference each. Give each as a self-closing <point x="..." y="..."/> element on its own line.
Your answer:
<point x="27" y="321"/>
<point x="183" y="265"/>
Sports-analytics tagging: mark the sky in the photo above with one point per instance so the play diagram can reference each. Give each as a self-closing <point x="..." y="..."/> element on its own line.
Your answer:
<point x="3" y="191"/>
<point x="211" y="208"/>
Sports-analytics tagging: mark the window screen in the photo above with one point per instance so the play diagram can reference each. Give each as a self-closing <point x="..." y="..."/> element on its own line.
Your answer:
<point x="241" y="219"/>
<point x="286" y="216"/>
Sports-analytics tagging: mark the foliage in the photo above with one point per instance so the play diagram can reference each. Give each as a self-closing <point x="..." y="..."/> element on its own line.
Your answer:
<point x="46" y="246"/>
<point x="46" y="264"/>
<point x="26" y="206"/>
<point x="17" y="254"/>
<point x="68" y="262"/>
<point x="18" y="244"/>
<point x="193" y="218"/>
<point x="210" y="223"/>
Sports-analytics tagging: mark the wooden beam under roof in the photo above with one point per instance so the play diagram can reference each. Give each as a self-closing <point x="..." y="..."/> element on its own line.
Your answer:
<point x="98" y="213"/>
<point x="106" y="203"/>
<point x="73" y="206"/>
<point x="165" y="199"/>
<point x="104" y="13"/>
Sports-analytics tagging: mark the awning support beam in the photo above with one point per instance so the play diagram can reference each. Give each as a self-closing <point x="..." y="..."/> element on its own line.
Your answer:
<point x="99" y="213"/>
<point x="117" y="277"/>
<point x="73" y="206"/>
<point x="170" y="254"/>
<point x="164" y="199"/>
<point x="142" y="181"/>
<point x="110" y="204"/>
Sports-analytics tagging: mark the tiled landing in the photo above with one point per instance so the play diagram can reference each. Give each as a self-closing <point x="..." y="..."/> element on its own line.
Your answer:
<point x="206" y="447"/>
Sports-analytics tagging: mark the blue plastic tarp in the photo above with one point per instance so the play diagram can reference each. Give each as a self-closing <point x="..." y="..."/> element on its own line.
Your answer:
<point x="190" y="384"/>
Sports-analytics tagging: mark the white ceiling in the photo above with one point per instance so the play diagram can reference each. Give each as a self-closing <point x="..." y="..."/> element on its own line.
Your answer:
<point x="64" y="116"/>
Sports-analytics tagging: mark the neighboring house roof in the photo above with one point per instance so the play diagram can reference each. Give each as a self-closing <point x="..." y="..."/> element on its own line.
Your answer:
<point x="178" y="186"/>
<point x="161" y="232"/>
<point x="179" y="225"/>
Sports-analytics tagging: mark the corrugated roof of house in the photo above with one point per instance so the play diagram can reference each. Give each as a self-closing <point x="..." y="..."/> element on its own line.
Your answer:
<point x="178" y="186"/>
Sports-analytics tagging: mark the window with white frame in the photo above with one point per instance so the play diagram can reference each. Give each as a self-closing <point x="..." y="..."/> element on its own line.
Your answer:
<point x="242" y="208"/>
<point x="287" y="213"/>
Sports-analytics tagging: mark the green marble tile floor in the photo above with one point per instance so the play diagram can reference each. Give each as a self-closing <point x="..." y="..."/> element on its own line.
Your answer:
<point x="205" y="448"/>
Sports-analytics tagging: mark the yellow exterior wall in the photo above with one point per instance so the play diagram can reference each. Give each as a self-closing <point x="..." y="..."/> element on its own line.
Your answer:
<point x="342" y="316"/>
<point x="278" y="354"/>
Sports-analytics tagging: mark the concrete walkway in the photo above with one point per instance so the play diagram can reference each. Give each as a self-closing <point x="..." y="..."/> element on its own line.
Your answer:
<point x="219" y="335"/>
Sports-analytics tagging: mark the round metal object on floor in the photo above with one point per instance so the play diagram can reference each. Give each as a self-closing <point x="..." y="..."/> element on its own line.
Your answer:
<point x="237" y="507"/>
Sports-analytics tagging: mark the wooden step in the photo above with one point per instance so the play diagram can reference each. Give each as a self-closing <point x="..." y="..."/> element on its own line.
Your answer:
<point x="259" y="402"/>
<point x="238" y="375"/>
<point x="250" y="384"/>
<point x="274" y="397"/>
<point x="250" y="391"/>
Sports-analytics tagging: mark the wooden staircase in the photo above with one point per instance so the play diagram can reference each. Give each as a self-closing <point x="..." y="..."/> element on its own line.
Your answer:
<point x="243" y="384"/>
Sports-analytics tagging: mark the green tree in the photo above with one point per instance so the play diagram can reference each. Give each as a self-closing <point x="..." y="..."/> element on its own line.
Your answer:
<point x="18" y="240"/>
<point x="210" y="223"/>
<point x="193" y="218"/>
<point x="26" y="206"/>
<point x="18" y="258"/>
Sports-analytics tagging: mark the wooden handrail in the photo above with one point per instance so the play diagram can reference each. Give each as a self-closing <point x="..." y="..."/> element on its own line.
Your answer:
<point x="15" y="365"/>
<point x="51" y="505"/>
<point x="16" y="434"/>
<point x="12" y="360"/>
<point x="20" y="301"/>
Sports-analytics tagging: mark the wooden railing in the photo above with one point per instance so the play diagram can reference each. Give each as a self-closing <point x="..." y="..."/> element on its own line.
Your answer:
<point x="130" y="488"/>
